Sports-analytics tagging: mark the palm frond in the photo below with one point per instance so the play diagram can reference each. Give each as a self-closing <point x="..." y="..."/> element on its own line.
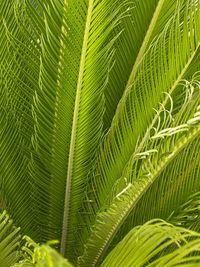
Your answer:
<point x="106" y="226"/>
<point x="172" y="187"/>
<point x="134" y="23"/>
<point x="141" y="23"/>
<point x="16" y="124"/>
<point x="160" y="71"/>
<point x="169" y="138"/>
<point x="9" y="241"/>
<point x="61" y="177"/>
<point x="151" y="244"/>
<point x="187" y="214"/>
<point x="41" y="255"/>
<point x="69" y="66"/>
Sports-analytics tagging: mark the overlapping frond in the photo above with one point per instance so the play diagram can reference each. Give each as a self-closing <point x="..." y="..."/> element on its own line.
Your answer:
<point x="56" y="68"/>
<point x="106" y="226"/>
<point x="9" y="241"/>
<point x="160" y="70"/>
<point x="167" y="161"/>
<point x="17" y="83"/>
<point x="52" y="117"/>
<point x="187" y="214"/>
<point x="68" y="106"/>
<point x="156" y="243"/>
<point x="139" y="26"/>
<point x="173" y="134"/>
<point x="133" y="27"/>
<point x="144" y="201"/>
<point x="41" y="255"/>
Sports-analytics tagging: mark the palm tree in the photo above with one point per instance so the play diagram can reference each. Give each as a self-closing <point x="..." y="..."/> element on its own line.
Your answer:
<point x="100" y="130"/>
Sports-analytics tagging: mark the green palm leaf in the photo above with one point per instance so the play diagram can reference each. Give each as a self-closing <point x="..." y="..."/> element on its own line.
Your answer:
<point x="13" y="252"/>
<point x="187" y="214"/>
<point x="9" y="241"/>
<point x="143" y="243"/>
<point x="151" y="174"/>
<point x="16" y="123"/>
<point x="159" y="70"/>
<point x="100" y="126"/>
<point x="140" y="25"/>
<point x="135" y="206"/>
<point x="106" y="226"/>
<point x="41" y="255"/>
<point x="66" y="115"/>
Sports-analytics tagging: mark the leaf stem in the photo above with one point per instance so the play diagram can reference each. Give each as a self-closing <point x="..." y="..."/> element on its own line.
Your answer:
<point x="65" y="225"/>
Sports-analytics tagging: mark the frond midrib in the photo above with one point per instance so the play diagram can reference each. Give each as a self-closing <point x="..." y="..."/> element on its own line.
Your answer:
<point x="141" y="53"/>
<point x="74" y="132"/>
<point x="144" y="44"/>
